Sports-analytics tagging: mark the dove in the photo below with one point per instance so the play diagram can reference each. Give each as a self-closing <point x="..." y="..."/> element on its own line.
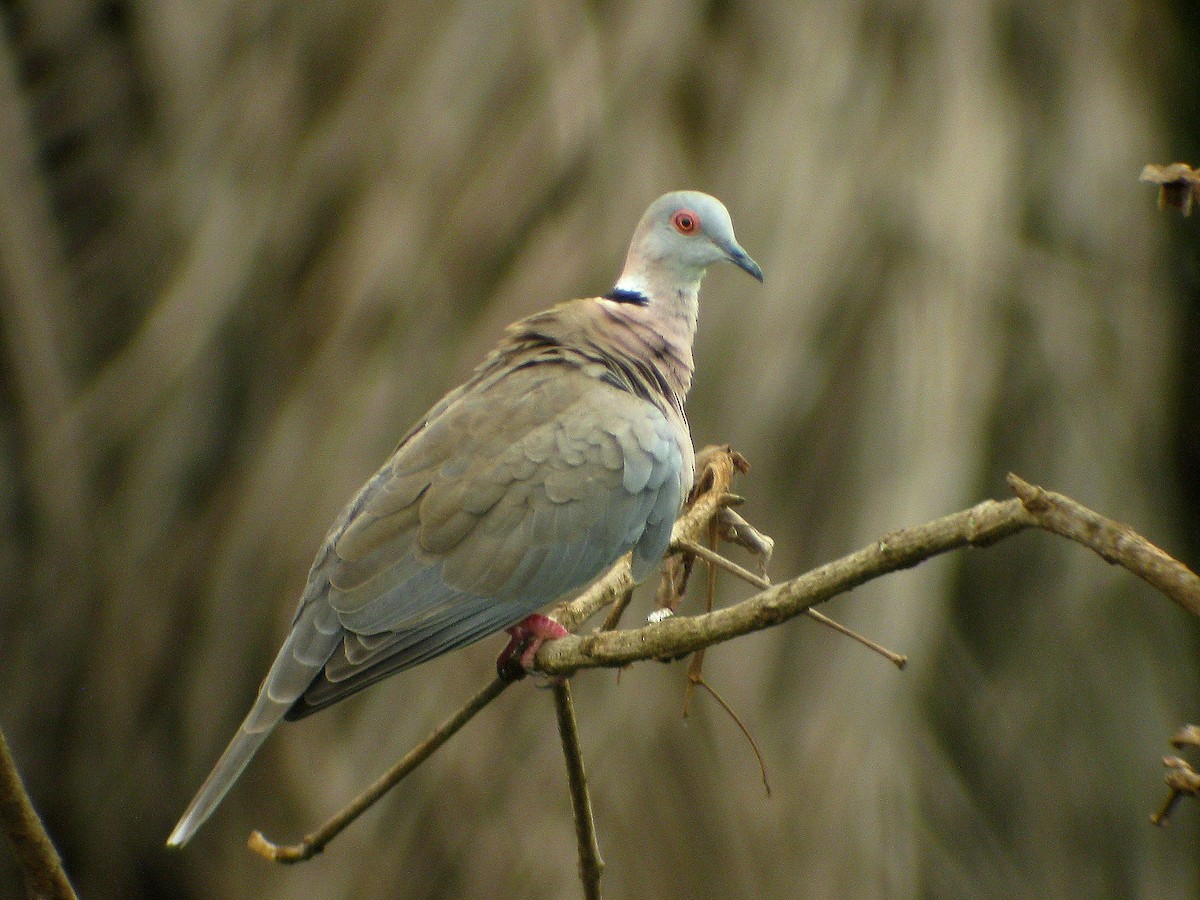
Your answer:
<point x="567" y="448"/>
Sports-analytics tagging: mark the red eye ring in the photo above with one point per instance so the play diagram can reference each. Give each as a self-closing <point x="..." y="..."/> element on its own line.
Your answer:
<point x="685" y="221"/>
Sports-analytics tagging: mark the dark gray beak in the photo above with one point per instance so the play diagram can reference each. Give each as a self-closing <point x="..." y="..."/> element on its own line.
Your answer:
<point x="742" y="260"/>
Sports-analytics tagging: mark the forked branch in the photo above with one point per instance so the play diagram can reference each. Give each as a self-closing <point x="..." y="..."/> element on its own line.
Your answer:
<point x="677" y="636"/>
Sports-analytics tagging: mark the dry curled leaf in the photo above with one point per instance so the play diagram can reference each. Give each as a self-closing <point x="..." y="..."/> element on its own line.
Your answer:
<point x="1181" y="778"/>
<point x="1177" y="183"/>
<point x="738" y="531"/>
<point x="1187" y="736"/>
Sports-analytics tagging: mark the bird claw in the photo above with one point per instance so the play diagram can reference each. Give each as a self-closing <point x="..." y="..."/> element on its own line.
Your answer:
<point x="516" y="660"/>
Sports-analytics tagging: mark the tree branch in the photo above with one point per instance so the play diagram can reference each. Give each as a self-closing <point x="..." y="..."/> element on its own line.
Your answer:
<point x="590" y="863"/>
<point x="717" y="466"/>
<point x="978" y="526"/>
<point x="678" y="636"/>
<point x="984" y="524"/>
<point x="1115" y="542"/>
<point x="712" y="556"/>
<point x="315" y="841"/>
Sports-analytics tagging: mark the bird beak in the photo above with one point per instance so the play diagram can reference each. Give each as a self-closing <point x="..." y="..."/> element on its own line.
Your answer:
<point x="742" y="260"/>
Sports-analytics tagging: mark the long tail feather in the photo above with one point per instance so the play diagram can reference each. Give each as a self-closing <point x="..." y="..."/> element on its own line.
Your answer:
<point x="314" y="637"/>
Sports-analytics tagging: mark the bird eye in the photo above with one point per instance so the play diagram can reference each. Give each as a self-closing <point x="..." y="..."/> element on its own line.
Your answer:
<point x="685" y="221"/>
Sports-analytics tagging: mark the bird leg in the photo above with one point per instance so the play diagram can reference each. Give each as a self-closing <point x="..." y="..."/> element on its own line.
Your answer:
<point x="528" y="635"/>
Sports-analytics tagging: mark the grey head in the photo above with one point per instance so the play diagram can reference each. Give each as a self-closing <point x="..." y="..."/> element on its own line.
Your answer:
<point x="679" y="237"/>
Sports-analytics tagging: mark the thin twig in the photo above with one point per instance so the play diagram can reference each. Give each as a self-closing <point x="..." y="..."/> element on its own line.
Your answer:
<point x="696" y="667"/>
<point x="695" y="675"/>
<point x="897" y="659"/>
<point x="41" y="868"/>
<point x="717" y="466"/>
<point x="1181" y="777"/>
<point x="617" y="610"/>
<point x="591" y="865"/>
<point x="315" y="842"/>
<point x="712" y="556"/>
<point x="1186" y="736"/>
<point x="762" y="764"/>
<point x="978" y="526"/>
<point x="738" y="531"/>
<point x="983" y="524"/>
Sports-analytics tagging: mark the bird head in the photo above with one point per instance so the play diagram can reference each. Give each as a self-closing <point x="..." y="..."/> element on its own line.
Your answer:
<point x="678" y="238"/>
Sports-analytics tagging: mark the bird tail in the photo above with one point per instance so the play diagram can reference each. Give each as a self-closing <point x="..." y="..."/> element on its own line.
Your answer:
<point x="227" y="770"/>
<point x="315" y="635"/>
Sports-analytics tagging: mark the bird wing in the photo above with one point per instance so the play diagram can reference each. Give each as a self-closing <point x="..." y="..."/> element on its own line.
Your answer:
<point x="512" y="494"/>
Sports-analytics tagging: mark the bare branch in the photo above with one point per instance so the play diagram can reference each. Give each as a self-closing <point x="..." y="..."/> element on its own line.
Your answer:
<point x="1181" y="779"/>
<point x="980" y="525"/>
<point x="716" y="467"/>
<point x="1115" y="542"/>
<point x="1187" y="736"/>
<point x="678" y="636"/>
<point x="316" y="841"/>
<point x="618" y="609"/>
<point x="695" y="674"/>
<point x="983" y="524"/>
<point x="738" y="531"/>
<point x="712" y="556"/>
<point x="718" y="464"/>
<point x="729" y="565"/>
<point x="591" y="866"/>
<point x="762" y="763"/>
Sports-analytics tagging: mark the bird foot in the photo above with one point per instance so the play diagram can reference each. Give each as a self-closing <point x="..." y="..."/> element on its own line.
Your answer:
<point x="528" y="635"/>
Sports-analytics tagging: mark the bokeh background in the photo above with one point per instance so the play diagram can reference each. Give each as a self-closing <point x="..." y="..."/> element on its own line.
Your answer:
<point x="244" y="244"/>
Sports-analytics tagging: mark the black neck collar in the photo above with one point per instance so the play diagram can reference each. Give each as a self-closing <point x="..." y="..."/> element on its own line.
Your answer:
<point x="621" y="295"/>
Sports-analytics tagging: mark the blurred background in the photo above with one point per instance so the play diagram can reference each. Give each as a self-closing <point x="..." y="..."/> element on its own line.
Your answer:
<point x="243" y="245"/>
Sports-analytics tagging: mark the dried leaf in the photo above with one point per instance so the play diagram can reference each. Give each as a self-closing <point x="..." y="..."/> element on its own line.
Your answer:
<point x="738" y="531"/>
<point x="1187" y="736"/>
<point x="1178" y="185"/>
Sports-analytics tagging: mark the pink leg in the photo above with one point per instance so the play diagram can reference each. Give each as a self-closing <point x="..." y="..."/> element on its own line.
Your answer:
<point x="528" y="635"/>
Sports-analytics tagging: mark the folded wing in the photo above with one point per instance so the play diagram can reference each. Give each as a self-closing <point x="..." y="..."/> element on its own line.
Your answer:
<point x="489" y="512"/>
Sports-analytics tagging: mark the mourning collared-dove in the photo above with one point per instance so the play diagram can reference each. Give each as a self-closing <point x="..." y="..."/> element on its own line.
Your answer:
<point x="567" y="448"/>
